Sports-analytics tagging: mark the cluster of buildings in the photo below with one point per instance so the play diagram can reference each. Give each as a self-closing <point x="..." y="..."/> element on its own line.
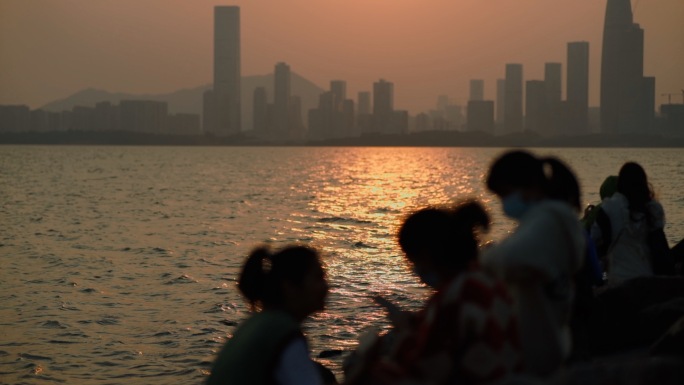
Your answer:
<point x="140" y="116"/>
<point x="627" y="99"/>
<point x="335" y="116"/>
<point x="339" y="117"/>
<point x="543" y="109"/>
<point x="282" y="119"/>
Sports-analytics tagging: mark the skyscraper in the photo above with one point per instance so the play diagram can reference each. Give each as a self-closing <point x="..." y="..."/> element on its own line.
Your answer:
<point x="383" y="104"/>
<point x="623" y="90"/>
<point x="226" y="119"/>
<point x="260" y="110"/>
<point x="480" y="116"/>
<point x="552" y="81"/>
<point x="553" y="88"/>
<point x="339" y="89"/>
<point x="578" y="86"/>
<point x="476" y="89"/>
<point x="513" y="107"/>
<point x="536" y="107"/>
<point x="500" y="100"/>
<point x="281" y="100"/>
<point x="364" y="102"/>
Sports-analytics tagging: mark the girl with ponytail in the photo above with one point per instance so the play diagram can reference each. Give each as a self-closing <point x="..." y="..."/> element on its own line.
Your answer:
<point x="632" y="216"/>
<point x="468" y="316"/>
<point x="282" y="288"/>
<point x="540" y="258"/>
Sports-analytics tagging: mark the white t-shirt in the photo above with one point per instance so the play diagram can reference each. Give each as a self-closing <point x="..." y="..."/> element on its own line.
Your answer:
<point x="295" y="366"/>
<point x="629" y="255"/>
<point x="550" y="242"/>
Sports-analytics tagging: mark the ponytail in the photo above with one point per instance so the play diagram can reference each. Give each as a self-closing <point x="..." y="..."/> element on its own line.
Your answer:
<point x="561" y="183"/>
<point x="468" y="217"/>
<point x="521" y="169"/>
<point x="252" y="281"/>
<point x="264" y="273"/>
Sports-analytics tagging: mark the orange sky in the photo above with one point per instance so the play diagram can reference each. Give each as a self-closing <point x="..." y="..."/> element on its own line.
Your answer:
<point x="50" y="49"/>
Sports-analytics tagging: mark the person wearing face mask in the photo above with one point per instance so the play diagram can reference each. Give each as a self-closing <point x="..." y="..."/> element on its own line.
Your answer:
<point x="467" y="332"/>
<point x="540" y="258"/>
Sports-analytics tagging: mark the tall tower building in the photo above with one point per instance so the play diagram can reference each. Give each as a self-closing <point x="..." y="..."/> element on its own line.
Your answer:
<point x="339" y="89"/>
<point x="513" y="108"/>
<point x="383" y="104"/>
<point x="578" y="87"/>
<point x="622" y="71"/>
<point x="536" y="107"/>
<point x="281" y="100"/>
<point x="364" y="102"/>
<point x="553" y="89"/>
<point x="226" y="109"/>
<point x="260" y="110"/>
<point x="476" y="89"/>
<point x="480" y="116"/>
<point x="552" y="81"/>
<point x="500" y="100"/>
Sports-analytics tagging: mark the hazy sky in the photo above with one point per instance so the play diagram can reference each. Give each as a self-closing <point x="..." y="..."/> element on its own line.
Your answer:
<point x="50" y="49"/>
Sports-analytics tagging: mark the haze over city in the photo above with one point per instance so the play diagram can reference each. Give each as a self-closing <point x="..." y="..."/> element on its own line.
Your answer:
<point x="51" y="49"/>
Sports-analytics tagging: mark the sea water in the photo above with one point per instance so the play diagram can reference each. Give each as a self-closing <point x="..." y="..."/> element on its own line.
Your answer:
<point x="118" y="264"/>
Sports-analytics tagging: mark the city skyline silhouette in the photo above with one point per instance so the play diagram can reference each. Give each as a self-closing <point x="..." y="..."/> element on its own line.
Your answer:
<point x="426" y="48"/>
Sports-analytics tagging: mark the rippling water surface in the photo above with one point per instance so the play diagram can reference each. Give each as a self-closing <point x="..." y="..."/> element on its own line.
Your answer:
<point x="118" y="264"/>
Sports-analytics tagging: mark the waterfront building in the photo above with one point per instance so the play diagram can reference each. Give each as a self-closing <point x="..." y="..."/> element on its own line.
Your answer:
<point x="106" y="116"/>
<point x="536" y="107"/>
<point x="513" y="106"/>
<point x="500" y="101"/>
<point x="476" y="89"/>
<point x="553" y="86"/>
<point x="339" y="90"/>
<point x="83" y="118"/>
<point x="222" y="105"/>
<point x="184" y="124"/>
<point x="15" y="118"/>
<point x="139" y="116"/>
<point x="321" y="119"/>
<point x="295" y="125"/>
<point x="281" y="100"/>
<point x="383" y="105"/>
<point x="623" y="88"/>
<point x="364" y="100"/>
<point x="577" y="98"/>
<point x="260" y="110"/>
<point x="480" y="116"/>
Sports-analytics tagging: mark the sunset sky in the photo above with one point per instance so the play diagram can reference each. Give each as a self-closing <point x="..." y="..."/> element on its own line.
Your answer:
<point x="50" y="49"/>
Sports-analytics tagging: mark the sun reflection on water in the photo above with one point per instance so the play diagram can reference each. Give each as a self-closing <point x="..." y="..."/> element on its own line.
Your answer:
<point x="359" y="198"/>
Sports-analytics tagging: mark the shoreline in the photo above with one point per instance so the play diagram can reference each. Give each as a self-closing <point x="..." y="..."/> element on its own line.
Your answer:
<point x="422" y="139"/>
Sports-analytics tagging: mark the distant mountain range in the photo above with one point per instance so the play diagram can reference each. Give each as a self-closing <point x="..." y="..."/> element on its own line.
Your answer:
<point x="190" y="100"/>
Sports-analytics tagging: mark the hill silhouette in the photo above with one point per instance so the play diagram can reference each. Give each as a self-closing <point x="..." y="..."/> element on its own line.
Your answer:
<point x="189" y="100"/>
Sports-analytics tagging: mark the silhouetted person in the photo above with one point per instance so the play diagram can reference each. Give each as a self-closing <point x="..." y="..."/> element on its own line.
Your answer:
<point x="590" y="277"/>
<point x="468" y="318"/>
<point x="632" y="213"/>
<point x="607" y="189"/>
<point x="539" y="260"/>
<point x="283" y="288"/>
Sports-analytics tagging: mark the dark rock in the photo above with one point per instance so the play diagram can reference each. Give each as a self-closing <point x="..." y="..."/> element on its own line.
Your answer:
<point x="635" y="313"/>
<point x="672" y="342"/>
<point x="661" y="371"/>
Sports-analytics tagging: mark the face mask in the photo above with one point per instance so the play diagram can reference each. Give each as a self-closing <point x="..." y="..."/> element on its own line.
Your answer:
<point x="514" y="206"/>
<point x="429" y="278"/>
